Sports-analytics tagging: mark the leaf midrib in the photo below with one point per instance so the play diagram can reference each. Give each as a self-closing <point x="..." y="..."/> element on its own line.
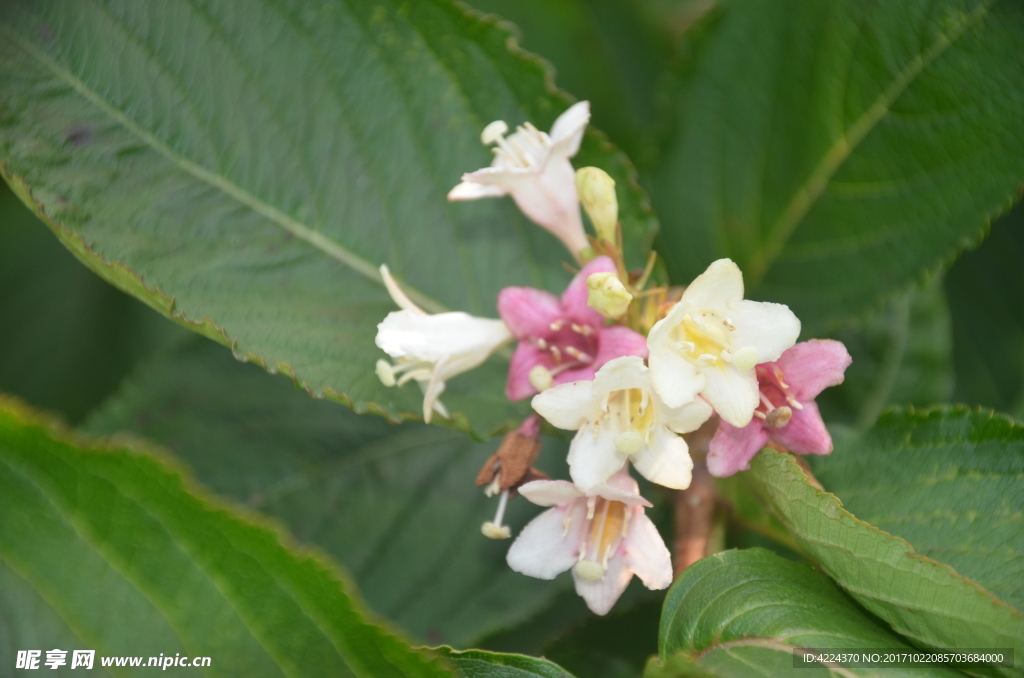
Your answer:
<point x="814" y="185"/>
<point x="300" y="230"/>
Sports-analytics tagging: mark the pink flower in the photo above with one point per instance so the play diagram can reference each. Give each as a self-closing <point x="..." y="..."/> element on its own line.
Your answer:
<point x="603" y="535"/>
<point x="561" y="340"/>
<point x="787" y="414"/>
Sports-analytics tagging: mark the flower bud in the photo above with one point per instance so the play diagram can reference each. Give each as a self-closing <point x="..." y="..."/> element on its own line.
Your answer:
<point x="607" y="295"/>
<point x="597" y="194"/>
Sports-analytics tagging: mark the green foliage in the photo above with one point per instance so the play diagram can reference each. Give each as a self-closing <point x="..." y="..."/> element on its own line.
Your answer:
<point x="950" y="482"/>
<point x="134" y="561"/>
<point x="902" y="354"/>
<point x="245" y="172"/>
<point x="396" y="505"/>
<point x="743" y="612"/>
<point x="68" y="338"/>
<point x="986" y="298"/>
<point x="923" y="599"/>
<point x="836" y="150"/>
<point x="481" y="664"/>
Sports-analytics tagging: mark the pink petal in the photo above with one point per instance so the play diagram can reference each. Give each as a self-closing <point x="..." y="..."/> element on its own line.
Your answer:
<point x="541" y="550"/>
<point x="585" y="373"/>
<point x="550" y="492"/>
<point x="524" y="358"/>
<point x="732" y="448"/>
<point x="574" y="299"/>
<point x="812" y="366"/>
<point x="601" y="595"/>
<point x="805" y="433"/>
<point x="616" y="341"/>
<point x="646" y="554"/>
<point x="529" y="312"/>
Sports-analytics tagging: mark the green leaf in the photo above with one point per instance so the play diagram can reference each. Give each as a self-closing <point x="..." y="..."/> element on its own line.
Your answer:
<point x="135" y="561"/>
<point x="903" y="354"/>
<point x="244" y="167"/>
<point x="950" y="482"/>
<point x="481" y="664"/>
<point x="986" y="299"/>
<point x="67" y="338"/>
<point x="609" y="52"/>
<point x="925" y="600"/>
<point x="615" y="646"/>
<point x="838" y="149"/>
<point x="741" y="613"/>
<point x="397" y="505"/>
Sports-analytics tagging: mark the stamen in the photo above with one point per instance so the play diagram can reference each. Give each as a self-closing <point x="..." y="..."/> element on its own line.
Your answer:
<point x="495" y="530"/>
<point x="557" y="325"/>
<point x="495" y="485"/>
<point x="779" y="417"/>
<point x="542" y="344"/>
<point x="767" y="403"/>
<point x="759" y="414"/>
<point x="591" y="505"/>
<point x="414" y="374"/>
<point x="578" y="354"/>
<point x="493" y="132"/>
<point x="556" y="353"/>
<point x="728" y="324"/>
<point x="793" y="401"/>
<point x="585" y="330"/>
<point x="386" y="373"/>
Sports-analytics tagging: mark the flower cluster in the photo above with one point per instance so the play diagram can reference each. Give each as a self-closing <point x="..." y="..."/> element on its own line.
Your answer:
<point x="628" y="365"/>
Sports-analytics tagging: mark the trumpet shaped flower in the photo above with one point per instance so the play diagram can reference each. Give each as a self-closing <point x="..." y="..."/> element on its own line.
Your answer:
<point x="787" y="414"/>
<point x="602" y="535"/>
<point x="533" y="167"/>
<point x="620" y="418"/>
<point x="432" y="348"/>
<point x="561" y="339"/>
<point x="711" y="340"/>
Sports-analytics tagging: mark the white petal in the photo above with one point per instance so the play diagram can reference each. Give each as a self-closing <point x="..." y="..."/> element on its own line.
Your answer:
<point x="397" y="295"/>
<point x="550" y="492"/>
<point x="770" y="328"/>
<point x="674" y="379"/>
<point x="646" y="554"/>
<point x="620" y="374"/>
<point x="720" y="284"/>
<point x="471" y="190"/>
<point x="466" y="339"/>
<point x="567" y="132"/>
<point x="433" y="390"/>
<point x="666" y="461"/>
<point x="659" y="339"/>
<point x="733" y="393"/>
<point x="593" y="460"/>
<point x="568" y="406"/>
<point x="686" y="418"/>
<point x="541" y="550"/>
<point x="601" y="595"/>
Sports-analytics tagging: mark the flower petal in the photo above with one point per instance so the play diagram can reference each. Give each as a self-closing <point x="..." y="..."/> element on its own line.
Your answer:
<point x="732" y="448"/>
<point x="646" y="554"/>
<point x="466" y="339"/>
<point x="805" y="433"/>
<point x="665" y="461"/>
<point x="733" y="393"/>
<point x="770" y="328"/>
<point x="812" y="366"/>
<point x="396" y="293"/>
<point x="621" y="487"/>
<point x="524" y="359"/>
<point x="585" y="373"/>
<point x="574" y="299"/>
<point x="686" y="418"/>
<point x="719" y="285"/>
<point x="622" y="373"/>
<point x="601" y="595"/>
<point x="470" y="190"/>
<point x="674" y="379"/>
<point x="567" y="406"/>
<point x="567" y="132"/>
<point x="541" y="550"/>
<point x="549" y="199"/>
<point x="550" y="492"/>
<point x="593" y="459"/>
<point x="529" y="312"/>
<point x="616" y="341"/>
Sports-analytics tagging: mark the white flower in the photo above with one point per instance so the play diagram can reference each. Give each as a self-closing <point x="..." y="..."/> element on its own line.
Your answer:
<point x="432" y="348"/>
<point x="620" y="418"/>
<point x="534" y="168"/>
<point x="602" y="535"/>
<point x="711" y="340"/>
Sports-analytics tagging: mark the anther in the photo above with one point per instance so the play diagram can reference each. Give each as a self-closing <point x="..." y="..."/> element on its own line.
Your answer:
<point x="493" y="132"/>
<point x="557" y="325"/>
<point x="386" y="373"/>
<point x="585" y="330"/>
<point x="779" y="417"/>
<point x="495" y="530"/>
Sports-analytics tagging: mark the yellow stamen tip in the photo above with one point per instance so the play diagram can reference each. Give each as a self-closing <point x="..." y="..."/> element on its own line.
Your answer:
<point x="492" y="531"/>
